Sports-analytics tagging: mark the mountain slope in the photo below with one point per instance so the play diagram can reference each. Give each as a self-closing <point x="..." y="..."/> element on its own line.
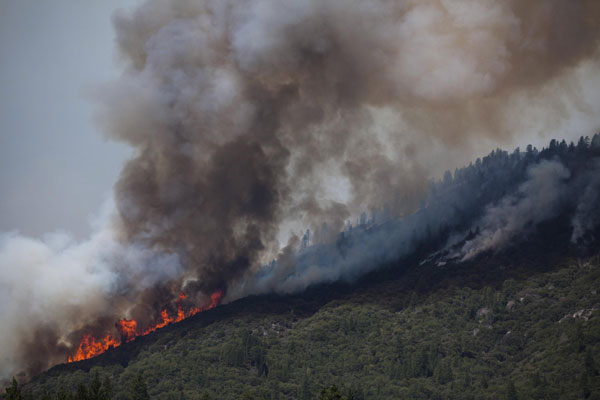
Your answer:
<point x="460" y="331"/>
<point x="487" y="290"/>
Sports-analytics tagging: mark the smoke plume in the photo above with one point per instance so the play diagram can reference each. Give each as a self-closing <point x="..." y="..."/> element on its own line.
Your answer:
<point x="252" y="120"/>
<point x="243" y="113"/>
<point x="537" y="199"/>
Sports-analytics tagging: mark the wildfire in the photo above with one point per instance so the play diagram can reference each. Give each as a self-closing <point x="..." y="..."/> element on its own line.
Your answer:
<point x="128" y="329"/>
<point x="90" y="347"/>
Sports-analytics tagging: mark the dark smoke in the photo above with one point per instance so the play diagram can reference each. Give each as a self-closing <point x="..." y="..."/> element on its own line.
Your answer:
<point x="240" y="110"/>
<point x="255" y="119"/>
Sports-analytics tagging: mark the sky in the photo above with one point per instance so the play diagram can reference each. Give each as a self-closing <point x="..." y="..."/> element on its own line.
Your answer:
<point x="56" y="168"/>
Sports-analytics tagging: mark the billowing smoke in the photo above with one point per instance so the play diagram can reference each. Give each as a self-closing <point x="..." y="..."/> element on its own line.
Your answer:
<point x="55" y="286"/>
<point x="243" y="113"/>
<point x="254" y="119"/>
<point x="537" y="199"/>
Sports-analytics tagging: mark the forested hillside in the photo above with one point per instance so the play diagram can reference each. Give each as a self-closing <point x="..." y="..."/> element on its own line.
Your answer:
<point x="489" y="329"/>
<point x="301" y="199"/>
<point x="492" y="294"/>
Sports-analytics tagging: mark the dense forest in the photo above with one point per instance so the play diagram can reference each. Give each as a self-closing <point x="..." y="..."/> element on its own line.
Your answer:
<point x="447" y="317"/>
<point x="474" y="335"/>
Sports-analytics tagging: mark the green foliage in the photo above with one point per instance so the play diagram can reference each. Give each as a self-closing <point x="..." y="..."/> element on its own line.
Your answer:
<point x="304" y="390"/>
<point x="63" y="394"/>
<point x="331" y="393"/>
<point x="95" y="389"/>
<point x="473" y="331"/>
<point x="139" y="390"/>
<point x="96" y="392"/>
<point x="13" y="392"/>
<point x="511" y="391"/>
<point x="82" y="392"/>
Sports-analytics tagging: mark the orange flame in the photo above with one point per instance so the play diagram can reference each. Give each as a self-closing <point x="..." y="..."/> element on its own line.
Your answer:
<point x="128" y="328"/>
<point x="90" y="347"/>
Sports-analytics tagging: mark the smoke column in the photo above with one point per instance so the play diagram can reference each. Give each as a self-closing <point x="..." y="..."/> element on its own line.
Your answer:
<point x="252" y="119"/>
<point x="242" y="113"/>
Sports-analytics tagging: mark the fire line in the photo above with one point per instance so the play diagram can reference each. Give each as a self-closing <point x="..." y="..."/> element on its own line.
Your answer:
<point x="128" y="328"/>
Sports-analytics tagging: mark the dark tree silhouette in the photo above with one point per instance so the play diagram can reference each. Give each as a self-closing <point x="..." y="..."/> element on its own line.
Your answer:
<point x="139" y="390"/>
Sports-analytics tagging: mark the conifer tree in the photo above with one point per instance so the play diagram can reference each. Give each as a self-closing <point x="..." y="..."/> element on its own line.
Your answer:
<point x="139" y="390"/>
<point x="511" y="391"/>
<point x="331" y="393"/>
<point x="13" y="392"/>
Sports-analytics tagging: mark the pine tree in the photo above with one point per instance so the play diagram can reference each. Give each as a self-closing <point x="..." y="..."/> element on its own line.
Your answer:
<point x="331" y="393"/>
<point x="304" y="391"/>
<point x="584" y="386"/>
<point x="139" y="390"/>
<point x="96" y="391"/>
<point x="14" y="391"/>
<point x="63" y="394"/>
<point x="81" y="393"/>
<point x="511" y="391"/>
<point x="108" y="389"/>
<point x="579" y="338"/>
<point x="590" y="364"/>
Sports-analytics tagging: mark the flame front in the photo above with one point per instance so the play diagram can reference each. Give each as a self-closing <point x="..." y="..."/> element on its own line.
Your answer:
<point x="128" y="328"/>
<point x="90" y="347"/>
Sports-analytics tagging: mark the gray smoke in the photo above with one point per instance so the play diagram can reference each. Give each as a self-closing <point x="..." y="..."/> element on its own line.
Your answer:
<point x="244" y="113"/>
<point x="54" y="286"/>
<point x="255" y="119"/>
<point x="537" y="199"/>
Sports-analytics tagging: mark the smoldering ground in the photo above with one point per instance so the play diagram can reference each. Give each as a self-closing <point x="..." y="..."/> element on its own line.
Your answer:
<point x="251" y="119"/>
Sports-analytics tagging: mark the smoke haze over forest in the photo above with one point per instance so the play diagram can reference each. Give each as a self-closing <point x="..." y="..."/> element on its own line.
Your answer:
<point x="252" y="121"/>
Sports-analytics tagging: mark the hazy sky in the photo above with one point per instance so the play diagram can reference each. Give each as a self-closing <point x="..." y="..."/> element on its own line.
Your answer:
<point x="55" y="167"/>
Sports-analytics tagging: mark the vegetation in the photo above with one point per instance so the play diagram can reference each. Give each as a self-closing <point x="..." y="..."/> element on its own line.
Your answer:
<point x="485" y="331"/>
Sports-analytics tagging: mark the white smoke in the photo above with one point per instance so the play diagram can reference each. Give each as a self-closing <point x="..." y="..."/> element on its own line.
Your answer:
<point x="537" y="199"/>
<point x="55" y="285"/>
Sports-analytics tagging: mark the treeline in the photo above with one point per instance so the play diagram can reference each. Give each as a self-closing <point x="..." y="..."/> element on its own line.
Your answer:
<point x="97" y="389"/>
<point x="458" y="199"/>
<point x="504" y="169"/>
